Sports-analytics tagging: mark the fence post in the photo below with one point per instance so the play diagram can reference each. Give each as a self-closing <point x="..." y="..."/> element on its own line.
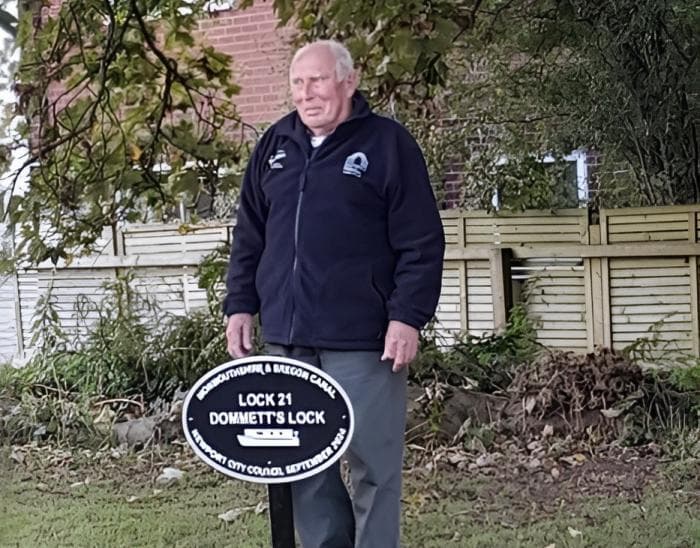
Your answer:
<point x="500" y="259"/>
<point x="463" y="277"/>
<point x="693" y="268"/>
<point x="597" y="284"/>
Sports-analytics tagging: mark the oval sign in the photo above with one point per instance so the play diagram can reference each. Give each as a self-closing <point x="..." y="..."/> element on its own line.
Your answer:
<point x="267" y="419"/>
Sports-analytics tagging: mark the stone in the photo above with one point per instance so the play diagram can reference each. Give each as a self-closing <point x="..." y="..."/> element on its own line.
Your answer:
<point x="135" y="432"/>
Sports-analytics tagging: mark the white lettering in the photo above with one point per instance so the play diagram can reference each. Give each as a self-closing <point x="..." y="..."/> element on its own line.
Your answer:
<point x="290" y="370"/>
<point x="339" y="438"/>
<point x="307" y="464"/>
<point x="249" y="369"/>
<point x="204" y="446"/>
<point x="306" y="417"/>
<point x="323" y="385"/>
<point x="261" y="418"/>
<point x="256" y="400"/>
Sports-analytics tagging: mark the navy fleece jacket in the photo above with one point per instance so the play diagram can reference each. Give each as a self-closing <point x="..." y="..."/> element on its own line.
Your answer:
<point x="333" y="242"/>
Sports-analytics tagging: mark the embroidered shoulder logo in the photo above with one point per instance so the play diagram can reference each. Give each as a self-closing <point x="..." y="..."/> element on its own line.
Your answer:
<point x="274" y="159"/>
<point x="355" y="164"/>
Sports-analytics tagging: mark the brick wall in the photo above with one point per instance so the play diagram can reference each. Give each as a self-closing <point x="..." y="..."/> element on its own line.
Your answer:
<point x="261" y="55"/>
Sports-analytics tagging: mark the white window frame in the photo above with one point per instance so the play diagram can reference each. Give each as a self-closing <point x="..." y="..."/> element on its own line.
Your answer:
<point x="578" y="156"/>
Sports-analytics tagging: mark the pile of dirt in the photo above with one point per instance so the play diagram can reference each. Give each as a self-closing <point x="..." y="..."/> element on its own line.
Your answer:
<point x="573" y="393"/>
<point x="562" y="393"/>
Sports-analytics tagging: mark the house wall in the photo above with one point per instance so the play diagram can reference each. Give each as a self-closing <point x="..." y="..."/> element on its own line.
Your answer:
<point x="261" y="55"/>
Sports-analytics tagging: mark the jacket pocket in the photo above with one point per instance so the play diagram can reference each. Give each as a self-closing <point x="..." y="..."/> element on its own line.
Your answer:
<point x="350" y="306"/>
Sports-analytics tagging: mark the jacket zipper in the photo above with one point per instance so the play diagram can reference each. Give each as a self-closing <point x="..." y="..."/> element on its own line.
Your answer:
<point x="300" y="199"/>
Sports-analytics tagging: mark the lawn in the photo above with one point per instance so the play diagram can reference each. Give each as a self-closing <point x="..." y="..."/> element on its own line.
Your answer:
<point x="53" y="497"/>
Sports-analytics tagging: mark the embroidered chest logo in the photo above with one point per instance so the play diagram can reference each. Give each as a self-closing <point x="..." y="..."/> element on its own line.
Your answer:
<point x="274" y="160"/>
<point x="355" y="164"/>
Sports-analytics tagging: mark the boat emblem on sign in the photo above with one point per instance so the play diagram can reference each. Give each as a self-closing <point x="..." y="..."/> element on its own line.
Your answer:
<point x="269" y="437"/>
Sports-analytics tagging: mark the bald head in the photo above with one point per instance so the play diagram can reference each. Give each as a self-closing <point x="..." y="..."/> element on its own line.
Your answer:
<point x="341" y="55"/>
<point x="322" y="81"/>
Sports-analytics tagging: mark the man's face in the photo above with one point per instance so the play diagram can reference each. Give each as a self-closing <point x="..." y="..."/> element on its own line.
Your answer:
<point x="320" y="99"/>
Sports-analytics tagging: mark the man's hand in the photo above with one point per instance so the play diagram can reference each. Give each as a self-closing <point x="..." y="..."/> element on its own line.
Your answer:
<point x="400" y="344"/>
<point x="239" y="334"/>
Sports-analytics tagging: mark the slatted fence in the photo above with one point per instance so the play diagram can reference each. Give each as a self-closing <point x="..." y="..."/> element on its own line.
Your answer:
<point x="632" y="275"/>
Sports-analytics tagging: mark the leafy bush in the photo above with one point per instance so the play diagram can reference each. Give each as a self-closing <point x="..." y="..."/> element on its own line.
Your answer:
<point x="188" y="346"/>
<point x="485" y="363"/>
<point x="134" y="351"/>
<point x="211" y="273"/>
<point x="133" y="347"/>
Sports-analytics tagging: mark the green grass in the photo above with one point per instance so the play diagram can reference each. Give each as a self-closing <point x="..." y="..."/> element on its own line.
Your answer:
<point x="658" y="521"/>
<point x="101" y="514"/>
<point x="119" y="507"/>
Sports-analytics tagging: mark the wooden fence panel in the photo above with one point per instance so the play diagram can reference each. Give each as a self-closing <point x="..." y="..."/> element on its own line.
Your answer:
<point x="449" y="310"/>
<point x="534" y="228"/>
<point x="451" y="225"/>
<point x="75" y="295"/>
<point x="633" y="276"/>
<point x="168" y="239"/>
<point x="28" y="296"/>
<point x="664" y="224"/>
<point x="172" y="289"/>
<point x="479" y="301"/>
<point x="650" y="299"/>
<point x="554" y="296"/>
<point x="8" y="326"/>
<point x="636" y="274"/>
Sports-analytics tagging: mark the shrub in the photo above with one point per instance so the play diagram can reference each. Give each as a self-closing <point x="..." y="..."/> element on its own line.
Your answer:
<point x="485" y="363"/>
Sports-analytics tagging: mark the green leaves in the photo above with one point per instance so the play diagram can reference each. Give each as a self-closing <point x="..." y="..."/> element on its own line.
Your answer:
<point x="526" y="78"/>
<point x="398" y="45"/>
<point x="126" y="112"/>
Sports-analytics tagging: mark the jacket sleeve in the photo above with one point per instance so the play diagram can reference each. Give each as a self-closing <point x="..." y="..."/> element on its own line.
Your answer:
<point x="248" y="239"/>
<point x="415" y="234"/>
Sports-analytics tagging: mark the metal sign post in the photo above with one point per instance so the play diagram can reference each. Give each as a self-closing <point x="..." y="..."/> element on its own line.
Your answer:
<point x="279" y="497"/>
<point x="269" y="420"/>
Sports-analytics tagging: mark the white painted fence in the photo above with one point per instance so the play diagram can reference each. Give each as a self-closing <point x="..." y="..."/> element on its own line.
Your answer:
<point x="163" y="259"/>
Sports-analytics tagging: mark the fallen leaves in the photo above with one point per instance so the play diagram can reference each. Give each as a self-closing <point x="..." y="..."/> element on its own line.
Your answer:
<point x="574" y="532"/>
<point x="577" y="459"/>
<point x="235" y="513"/>
<point x="83" y="483"/>
<point x="169" y="475"/>
<point x="17" y="456"/>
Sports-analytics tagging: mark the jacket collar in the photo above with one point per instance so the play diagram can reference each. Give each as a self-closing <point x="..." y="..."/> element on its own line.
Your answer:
<point x="292" y="126"/>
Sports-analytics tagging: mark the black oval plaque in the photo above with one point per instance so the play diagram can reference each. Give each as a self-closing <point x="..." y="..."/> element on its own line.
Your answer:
<point x="267" y="419"/>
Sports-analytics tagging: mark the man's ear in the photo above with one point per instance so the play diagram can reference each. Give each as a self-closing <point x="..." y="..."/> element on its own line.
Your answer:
<point x="352" y="80"/>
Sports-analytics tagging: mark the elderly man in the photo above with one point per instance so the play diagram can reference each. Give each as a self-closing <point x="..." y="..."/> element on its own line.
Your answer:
<point x="339" y="247"/>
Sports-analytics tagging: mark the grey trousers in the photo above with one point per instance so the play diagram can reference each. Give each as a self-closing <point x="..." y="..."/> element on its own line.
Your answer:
<point x="324" y="514"/>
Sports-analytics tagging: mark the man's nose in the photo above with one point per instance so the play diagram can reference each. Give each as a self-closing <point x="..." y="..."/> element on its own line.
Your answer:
<point x="307" y="91"/>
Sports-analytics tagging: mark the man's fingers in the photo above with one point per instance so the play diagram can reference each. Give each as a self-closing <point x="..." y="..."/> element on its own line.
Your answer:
<point x="389" y="349"/>
<point x="247" y="337"/>
<point x="400" y="357"/>
<point x="239" y="335"/>
<point x="234" y="345"/>
<point x="230" y="343"/>
<point x="400" y="344"/>
<point x="408" y="355"/>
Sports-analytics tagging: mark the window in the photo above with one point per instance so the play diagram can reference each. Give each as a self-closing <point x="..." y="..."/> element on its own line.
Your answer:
<point x="568" y="188"/>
